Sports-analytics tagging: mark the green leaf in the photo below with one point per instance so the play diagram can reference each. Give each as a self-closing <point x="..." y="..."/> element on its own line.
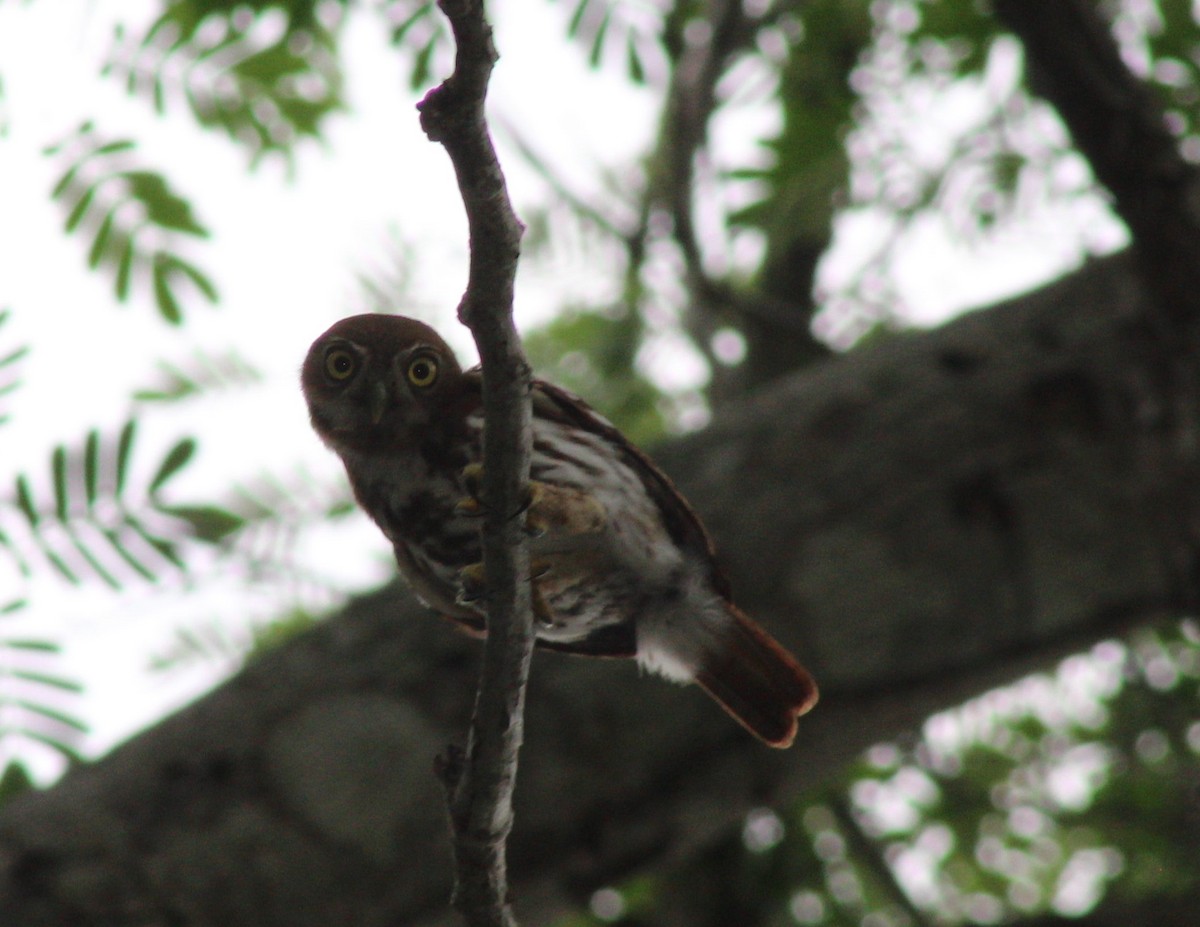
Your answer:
<point x="209" y="524"/>
<point x="59" y="564"/>
<point x="124" y="269"/>
<point x="13" y="356"/>
<point x="400" y="31"/>
<point x="97" y="567"/>
<point x="62" y="495"/>
<point x="421" y="66"/>
<point x="163" y="207"/>
<point x="66" y="180"/>
<point x="596" y="53"/>
<point x="100" y="242"/>
<point x="577" y="18"/>
<point x="33" y="646"/>
<point x="168" y="306"/>
<point x="637" y="71"/>
<point x="52" y="714"/>
<point x="91" y="467"/>
<point x="163" y="547"/>
<point x="108" y="148"/>
<point x="44" y="679"/>
<point x="202" y="283"/>
<point x="56" y="743"/>
<point x="25" y="503"/>
<point x="15" y="781"/>
<point x="124" y="447"/>
<point x="176" y="459"/>
<point x="79" y="210"/>
<point x="114" y="540"/>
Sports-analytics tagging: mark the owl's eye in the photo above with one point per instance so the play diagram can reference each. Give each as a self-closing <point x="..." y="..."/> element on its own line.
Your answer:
<point x="423" y="371"/>
<point x="340" y="364"/>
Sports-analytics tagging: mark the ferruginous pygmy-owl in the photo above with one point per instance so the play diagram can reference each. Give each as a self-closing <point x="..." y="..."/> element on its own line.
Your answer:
<point x="621" y="565"/>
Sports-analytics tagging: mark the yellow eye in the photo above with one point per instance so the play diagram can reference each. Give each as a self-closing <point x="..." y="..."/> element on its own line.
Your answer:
<point x="340" y="364"/>
<point x="423" y="371"/>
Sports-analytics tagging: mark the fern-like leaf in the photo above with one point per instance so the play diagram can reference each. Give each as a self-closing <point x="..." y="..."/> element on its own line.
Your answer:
<point x="9" y="362"/>
<point x="617" y="29"/>
<point x="201" y="373"/>
<point x="133" y="217"/>
<point x="419" y="30"/>
<point x="265" y="74"/>
<point x="37" y="702"/>
<point x="90" y="520"/>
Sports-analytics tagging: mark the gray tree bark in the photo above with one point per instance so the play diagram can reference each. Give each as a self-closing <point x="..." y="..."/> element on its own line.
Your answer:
<point x="919" y="520"/>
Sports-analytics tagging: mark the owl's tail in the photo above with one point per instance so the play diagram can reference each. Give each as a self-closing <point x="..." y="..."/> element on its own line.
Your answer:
<point x="759" y="683"/>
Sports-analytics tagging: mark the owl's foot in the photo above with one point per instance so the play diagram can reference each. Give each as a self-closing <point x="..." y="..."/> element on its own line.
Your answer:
<point x="471" y="585"/>
<point x="473" y="506"/>
<point x="472" y="589"/>
<point x="548" y="507"/>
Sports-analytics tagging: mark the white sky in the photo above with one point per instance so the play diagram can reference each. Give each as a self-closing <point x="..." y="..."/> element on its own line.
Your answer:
<point x="284" y="255"/>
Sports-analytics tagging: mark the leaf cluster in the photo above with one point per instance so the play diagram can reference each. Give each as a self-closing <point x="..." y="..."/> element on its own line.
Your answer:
<point x="1052" y="795"/>
<point x="134" y="219"/>
<point x="264" y="73"/>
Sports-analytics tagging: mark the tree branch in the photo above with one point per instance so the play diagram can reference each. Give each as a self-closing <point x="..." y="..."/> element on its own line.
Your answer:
<point x="927" y="518"/>
<point x="480" y="782"/>
<point x="1119" y="125"/>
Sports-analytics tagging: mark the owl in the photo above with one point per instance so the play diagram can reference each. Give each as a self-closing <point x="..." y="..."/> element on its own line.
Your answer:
<point x="621" y="566"/>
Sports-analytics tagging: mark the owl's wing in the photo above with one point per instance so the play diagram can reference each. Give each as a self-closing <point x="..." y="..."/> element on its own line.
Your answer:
<point x="680" y="519"/>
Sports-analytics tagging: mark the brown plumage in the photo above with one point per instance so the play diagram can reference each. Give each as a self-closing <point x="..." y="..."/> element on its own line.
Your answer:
<point x="622" y="565"/>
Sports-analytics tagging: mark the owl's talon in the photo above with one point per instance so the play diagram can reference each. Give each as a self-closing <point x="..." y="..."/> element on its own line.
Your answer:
<point x="546" y="506"/>
<point x="535" y="525"/>
<point x="472" y="477"/>
<point x="471" y="585"/>
<point x="470" y="506"/>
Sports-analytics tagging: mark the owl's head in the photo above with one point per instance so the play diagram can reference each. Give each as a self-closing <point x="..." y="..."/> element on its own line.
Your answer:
<point x="370" y="380"/>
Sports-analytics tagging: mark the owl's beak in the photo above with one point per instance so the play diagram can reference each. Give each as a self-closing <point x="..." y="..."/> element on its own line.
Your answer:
<point x="379" y="402"/>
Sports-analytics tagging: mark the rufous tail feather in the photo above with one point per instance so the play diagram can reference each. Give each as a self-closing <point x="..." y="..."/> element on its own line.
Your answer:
<point x="759" y="683"/>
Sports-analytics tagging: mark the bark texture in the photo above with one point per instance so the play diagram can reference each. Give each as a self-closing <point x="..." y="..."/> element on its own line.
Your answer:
<point x="919" y="520"/>
<point x="481" y="779"/>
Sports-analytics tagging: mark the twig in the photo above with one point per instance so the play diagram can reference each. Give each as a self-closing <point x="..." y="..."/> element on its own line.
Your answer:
<point x="480" y="781"/>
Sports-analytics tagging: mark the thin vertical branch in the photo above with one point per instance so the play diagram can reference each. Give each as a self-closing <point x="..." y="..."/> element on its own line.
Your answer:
<point x="480" y="781"/>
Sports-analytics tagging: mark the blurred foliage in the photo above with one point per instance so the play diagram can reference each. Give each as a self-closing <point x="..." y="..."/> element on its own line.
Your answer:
<point x="1046" y="795"/>
<point x="1054" y="794"/>
<point x="626" y="33"/>
<point x="37" y="702"/>
<point x="202" y="373"/>
<point x="10" y="358"/>
<point x="3" y="111"/>
<point x="85" y="520"/>
<point x="592" y="354"/>
<point x="421" y="31"/>
<point x="215" y="642"/>
<point x="132" y="217"/>
<point x="806" y="162"/>
<point x="264" y="73"/>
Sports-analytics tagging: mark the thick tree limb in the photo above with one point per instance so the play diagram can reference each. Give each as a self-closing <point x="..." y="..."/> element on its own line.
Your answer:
<point x="1118" y="124"/>
<point x="480" y="782"/>
<point x="921" y="520"/>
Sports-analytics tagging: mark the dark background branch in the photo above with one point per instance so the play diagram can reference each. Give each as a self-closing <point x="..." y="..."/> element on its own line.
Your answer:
<point x="920" y="520"/>
<point x="1119" y="125"/>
